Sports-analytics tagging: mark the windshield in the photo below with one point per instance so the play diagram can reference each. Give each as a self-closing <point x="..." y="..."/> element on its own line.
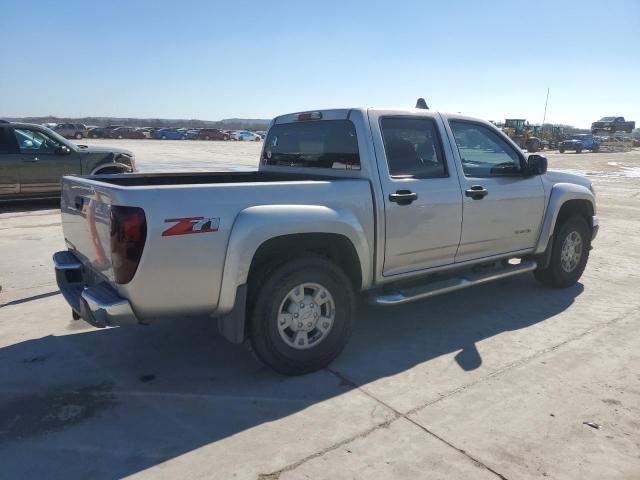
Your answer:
<point x="320" y="144"/>
<point x="60" y="139"/>
<point x="607" y="119"/>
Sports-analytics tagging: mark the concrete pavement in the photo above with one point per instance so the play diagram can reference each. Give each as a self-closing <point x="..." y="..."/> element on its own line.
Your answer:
<point x="491" y="382"/>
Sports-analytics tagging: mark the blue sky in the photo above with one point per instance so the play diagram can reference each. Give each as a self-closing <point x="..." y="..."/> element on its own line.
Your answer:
<point x="213" y="60"/>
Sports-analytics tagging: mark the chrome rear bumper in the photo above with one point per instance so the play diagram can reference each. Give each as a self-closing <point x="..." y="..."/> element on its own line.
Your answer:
<point x="99" y="304"/>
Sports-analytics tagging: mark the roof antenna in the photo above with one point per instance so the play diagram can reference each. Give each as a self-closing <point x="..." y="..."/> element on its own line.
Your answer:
<point x="421" y="104"/>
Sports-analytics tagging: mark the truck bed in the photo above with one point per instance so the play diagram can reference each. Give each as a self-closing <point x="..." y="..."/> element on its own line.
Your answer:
<point x="248" y="205"/>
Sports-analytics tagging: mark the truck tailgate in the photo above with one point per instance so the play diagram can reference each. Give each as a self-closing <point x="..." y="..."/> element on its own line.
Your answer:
<point x="86" y="223"/>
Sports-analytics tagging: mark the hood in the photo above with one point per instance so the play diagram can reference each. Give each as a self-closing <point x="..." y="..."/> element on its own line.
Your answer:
<point x="100" y="149"/>
<point x="554" y="177"/>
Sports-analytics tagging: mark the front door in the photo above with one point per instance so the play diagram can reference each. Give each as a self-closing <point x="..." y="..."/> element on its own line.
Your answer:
<point x="502" y="209"/>
<point x="9" y="165"/>
<point x="41" y="164"/>
<point x="422" y="199"/>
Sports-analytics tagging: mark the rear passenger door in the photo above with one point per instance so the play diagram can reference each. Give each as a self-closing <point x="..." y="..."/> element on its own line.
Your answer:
<point x="422" y="198"/>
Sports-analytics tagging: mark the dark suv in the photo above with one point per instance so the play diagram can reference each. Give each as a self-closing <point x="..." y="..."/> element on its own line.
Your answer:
<point x="33" y="159"/>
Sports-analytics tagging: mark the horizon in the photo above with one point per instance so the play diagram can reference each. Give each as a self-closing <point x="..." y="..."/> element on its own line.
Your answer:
<point x="193" y="63"/>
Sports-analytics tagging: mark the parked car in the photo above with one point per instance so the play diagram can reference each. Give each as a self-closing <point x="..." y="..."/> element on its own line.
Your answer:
<point x="212" y="134"/>
<point x="192" y="134"/>
<point x="102" y="132"/>
<point x="612" y="124"/>
<point x="344" y="201"/>
<point x="126" y="132"/>
<point x="71" y="130"/>
<point x="168" y="134"/>
<point x="33" y="159"/>
<point x="580" y="142"/>
<point x="245" y="135"/>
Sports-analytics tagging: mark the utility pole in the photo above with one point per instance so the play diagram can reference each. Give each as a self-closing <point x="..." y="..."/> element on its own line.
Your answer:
<point x="544" y="117"/>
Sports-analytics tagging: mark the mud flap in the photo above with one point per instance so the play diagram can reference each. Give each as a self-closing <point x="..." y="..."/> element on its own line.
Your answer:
<point x="231" y="326"/>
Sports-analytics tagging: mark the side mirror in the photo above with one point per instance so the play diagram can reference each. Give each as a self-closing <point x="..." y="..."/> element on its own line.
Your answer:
<point x="536" y="165"/>
<point x="63" y="150"/>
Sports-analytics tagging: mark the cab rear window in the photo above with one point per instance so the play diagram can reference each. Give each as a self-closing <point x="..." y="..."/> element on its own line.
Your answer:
<point x="319" y="144"/>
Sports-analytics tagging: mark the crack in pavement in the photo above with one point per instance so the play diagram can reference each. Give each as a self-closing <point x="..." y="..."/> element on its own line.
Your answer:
<point x="29" y="299"/>
<point x="398" y="415"/>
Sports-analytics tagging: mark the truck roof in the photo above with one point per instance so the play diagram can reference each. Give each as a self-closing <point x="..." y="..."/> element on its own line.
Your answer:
<point x="344" y="113"/>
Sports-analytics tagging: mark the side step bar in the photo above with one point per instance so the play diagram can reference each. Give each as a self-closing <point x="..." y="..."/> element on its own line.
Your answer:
<point x="410" y="294"/>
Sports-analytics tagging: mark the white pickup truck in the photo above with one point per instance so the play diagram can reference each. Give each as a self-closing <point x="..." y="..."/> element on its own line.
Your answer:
<point x="401" y="205"/>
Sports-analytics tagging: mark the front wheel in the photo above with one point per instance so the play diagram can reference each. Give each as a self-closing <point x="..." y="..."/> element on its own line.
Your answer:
<point x="570" y="252"/>
<point x="302" y="316"/>
<point x="561" y="150"/>
<point x="78" y="136"/>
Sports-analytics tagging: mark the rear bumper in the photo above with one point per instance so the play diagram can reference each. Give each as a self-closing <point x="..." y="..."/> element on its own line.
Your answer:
<point x="99" y="304"/>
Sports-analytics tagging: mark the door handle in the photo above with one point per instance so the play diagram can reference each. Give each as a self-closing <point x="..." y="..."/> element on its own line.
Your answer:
<point x="403" y="197"/>
<point x="477" y="192"/>
<point x="30" y="160"/>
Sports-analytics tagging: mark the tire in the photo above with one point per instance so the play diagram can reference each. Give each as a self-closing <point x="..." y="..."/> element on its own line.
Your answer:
<point x="289" y="351"/>
<point x="557" y="275"/>
<point x="595" y="148"/>
<point x="561" y="150"/>
<point x="206" y="137"/>
<point x="533" y="146"/>
<point x="78" y="136"/>
<point x="120" y="137"/>
<point x="163" y="137"/>
<point x="579" y="150"/>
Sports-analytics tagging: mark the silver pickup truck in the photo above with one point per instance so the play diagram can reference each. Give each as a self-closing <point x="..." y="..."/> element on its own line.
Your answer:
<point x="400" y="205"/>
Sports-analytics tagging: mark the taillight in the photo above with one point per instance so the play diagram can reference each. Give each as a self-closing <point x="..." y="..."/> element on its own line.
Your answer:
<point x="128" y="234"/>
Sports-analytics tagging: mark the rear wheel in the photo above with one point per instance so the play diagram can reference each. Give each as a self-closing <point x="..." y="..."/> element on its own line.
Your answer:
<point x="78" y="136"/>
<point x="302" y="316"/>
<point x="570" y="252"/>
<point x="561" y="150"/>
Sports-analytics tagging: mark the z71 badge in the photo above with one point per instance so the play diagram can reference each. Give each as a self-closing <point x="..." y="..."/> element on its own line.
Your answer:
<point x="186" y="226"/>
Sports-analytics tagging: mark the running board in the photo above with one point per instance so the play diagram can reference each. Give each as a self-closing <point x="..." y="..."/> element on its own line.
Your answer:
<point x="410" y="294"/>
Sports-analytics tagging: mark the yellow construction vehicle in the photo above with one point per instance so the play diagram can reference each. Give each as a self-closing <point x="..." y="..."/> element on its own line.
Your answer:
<point x="519" y="130"/>
<point x="553" y="135"/>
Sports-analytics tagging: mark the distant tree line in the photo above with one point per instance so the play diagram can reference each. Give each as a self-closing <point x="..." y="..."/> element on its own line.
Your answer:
<point x="227" y="124"/>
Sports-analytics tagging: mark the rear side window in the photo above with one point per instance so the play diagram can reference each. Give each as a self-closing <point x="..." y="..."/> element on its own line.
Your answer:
<point x="413" y="147"/>
<point x="319" y="144"/>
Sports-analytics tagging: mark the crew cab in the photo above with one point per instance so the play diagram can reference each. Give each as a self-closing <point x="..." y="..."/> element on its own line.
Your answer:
<point x="580" y="142"/>
<point x="612" y="125"/>
<point x="33" y="160"/>
<point x="396" y="205"/>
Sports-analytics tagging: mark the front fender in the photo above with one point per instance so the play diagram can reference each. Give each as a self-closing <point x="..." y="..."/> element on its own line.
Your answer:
<point x="560" y="194"/>
<point x="255" y="225"/>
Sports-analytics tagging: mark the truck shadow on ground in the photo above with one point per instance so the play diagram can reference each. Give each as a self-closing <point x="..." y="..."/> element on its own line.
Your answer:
<point x="26" y="206"/>
<point x="110" y="403"/>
